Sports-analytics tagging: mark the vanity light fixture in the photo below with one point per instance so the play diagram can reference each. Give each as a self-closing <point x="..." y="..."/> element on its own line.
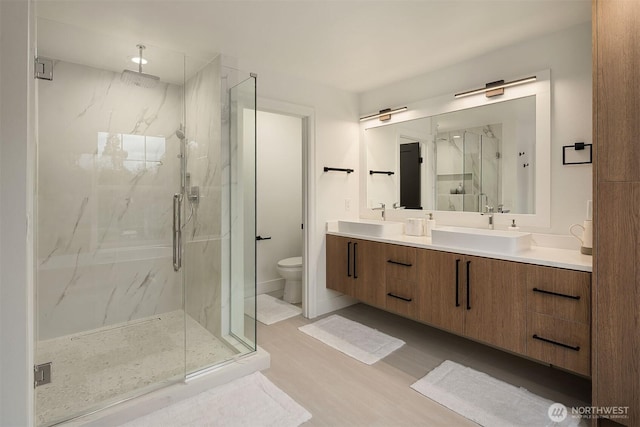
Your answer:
<point x="383" y="115"/>
<point x="496" y="88"/>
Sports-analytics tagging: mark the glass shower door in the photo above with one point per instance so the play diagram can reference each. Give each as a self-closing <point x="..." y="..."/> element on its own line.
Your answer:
<point x="220" y="212"/>
<point x="242" y="297"/>
<point x="110" y="312"/>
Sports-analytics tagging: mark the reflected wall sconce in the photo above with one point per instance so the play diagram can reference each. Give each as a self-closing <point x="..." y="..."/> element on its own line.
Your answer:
<point x="383" y="115"/>
<point x="496" y="88"/>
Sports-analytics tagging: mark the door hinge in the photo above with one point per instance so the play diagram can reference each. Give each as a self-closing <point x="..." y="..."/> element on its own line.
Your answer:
<point x="43" y="69"/>
<point x="41" y="374"/>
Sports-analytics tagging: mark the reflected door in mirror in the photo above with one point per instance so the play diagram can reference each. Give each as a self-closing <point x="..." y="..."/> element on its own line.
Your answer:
<point x="410" y="162"/>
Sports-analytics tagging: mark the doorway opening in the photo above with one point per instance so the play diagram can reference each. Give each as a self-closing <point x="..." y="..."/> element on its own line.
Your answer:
<point x="282" y="235"/>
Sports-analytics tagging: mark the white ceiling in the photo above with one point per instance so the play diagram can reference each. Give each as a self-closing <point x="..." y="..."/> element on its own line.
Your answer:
<point x="355" y="45"/>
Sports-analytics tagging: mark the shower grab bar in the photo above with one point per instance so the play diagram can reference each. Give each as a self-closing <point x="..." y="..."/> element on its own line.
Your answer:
<point x="177" y="232"/>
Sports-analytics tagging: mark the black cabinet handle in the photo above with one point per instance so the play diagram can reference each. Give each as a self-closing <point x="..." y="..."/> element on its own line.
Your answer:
<point x="542" y="291"/>
<point x="570" y="347"/>
<point x="399" y="297"/>
<point x="468" y="286"/>
<point x="349" y="259"/>
<point x="404" y="264"/>
<point x="355" y="264"/>
<point x="457" y="282"/>
<point x="263" y="238"/>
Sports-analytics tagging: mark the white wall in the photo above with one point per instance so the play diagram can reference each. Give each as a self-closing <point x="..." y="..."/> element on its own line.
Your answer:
<point x="568" y="55"/>
<point x="17" y="167"/>
<point x="279" y="195"/>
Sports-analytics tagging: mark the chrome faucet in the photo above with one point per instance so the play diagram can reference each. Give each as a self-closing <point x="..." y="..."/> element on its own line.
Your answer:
<point x="489" y="213"/>
<point x="502" y="210"/>
<point x="383" y="209"/>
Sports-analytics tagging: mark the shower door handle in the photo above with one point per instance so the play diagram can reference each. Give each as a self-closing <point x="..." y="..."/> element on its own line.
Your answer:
<point x="177" y="232"/>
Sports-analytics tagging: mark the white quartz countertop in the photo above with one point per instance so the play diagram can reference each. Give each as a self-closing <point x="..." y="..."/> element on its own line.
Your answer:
<point x="539" y="255"/>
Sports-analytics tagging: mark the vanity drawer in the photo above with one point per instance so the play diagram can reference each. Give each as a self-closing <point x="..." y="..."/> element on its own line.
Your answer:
<point x="559" y="342"/>
<point x="401" y="263"/>
<point x="557" y="292"/>
<point x="401" y="297"/>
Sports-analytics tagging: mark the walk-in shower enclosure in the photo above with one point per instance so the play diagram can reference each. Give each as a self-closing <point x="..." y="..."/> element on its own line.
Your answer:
<point x="145" y="219"/>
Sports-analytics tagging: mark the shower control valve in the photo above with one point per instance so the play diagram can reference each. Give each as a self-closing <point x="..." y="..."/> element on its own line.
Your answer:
<point x="194" y="194"/>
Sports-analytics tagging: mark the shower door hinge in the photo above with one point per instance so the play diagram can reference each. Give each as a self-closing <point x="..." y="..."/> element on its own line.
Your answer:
<point x="43" y="69"/>
<point x="41" y="374"/>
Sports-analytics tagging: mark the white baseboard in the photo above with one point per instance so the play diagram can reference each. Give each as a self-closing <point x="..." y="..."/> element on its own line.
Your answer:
<point x="333" y="304"/>
<point x="270" y="286"/>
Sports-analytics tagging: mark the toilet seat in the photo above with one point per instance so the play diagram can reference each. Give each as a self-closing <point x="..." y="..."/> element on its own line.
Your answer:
<point x="293" y="262"/>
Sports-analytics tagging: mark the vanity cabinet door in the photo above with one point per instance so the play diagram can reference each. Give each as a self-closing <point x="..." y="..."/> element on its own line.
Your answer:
<point x="339" y="264"/>
<point x="369" y="272"/>
<point x="495" y="303"/>
<point x="441" y="288"/>
<point x="355" y="267"/>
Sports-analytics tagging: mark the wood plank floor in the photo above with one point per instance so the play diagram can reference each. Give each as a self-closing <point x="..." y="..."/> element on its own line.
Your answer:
<point x="341" y="391"/>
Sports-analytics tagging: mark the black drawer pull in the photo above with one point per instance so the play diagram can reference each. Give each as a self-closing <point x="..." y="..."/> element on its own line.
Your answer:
<point x="349" y="259"/>
<point x="570" y="347"/>
<point x="457" y="281"/>
<point x="468" y="285"/>
<point x="399" y="297"/>
<point x="542" y="291"/>
<point x="355" y="262"/>
<point x="404" y="264"/>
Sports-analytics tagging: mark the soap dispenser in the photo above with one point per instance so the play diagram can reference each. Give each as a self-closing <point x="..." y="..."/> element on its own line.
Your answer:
<point x="431" y="224"/>
<point x="513" y="226"/>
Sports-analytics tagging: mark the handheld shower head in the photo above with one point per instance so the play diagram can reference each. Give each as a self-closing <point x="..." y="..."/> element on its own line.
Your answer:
<point x="180" y="133"/>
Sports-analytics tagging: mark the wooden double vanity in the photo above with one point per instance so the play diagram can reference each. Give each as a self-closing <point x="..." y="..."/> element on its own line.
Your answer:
<point x="537" y="311"/>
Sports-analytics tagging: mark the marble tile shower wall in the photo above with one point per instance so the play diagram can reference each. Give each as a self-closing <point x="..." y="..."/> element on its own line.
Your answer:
<point x="107" y="169"/>
<point x="204" y="234"/>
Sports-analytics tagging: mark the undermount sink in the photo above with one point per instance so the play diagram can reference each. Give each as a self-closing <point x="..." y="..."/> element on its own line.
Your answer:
<point x="500" y="241"/>
<point x="371" y="227"/>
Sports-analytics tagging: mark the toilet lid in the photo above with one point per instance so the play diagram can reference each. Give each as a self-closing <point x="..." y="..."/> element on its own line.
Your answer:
<point x="296" y="261"/>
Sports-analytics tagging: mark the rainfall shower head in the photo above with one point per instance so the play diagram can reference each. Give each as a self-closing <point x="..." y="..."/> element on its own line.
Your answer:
<point x="138" y="78"/>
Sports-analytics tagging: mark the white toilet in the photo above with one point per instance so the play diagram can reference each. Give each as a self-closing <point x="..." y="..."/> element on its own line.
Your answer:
<point x="291" y="270"/>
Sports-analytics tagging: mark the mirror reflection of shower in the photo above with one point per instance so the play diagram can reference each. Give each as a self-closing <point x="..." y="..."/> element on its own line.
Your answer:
<point x="468" y="168"/>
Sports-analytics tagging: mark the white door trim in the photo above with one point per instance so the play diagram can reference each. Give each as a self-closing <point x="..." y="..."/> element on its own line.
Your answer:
<point x="307" y="114"/>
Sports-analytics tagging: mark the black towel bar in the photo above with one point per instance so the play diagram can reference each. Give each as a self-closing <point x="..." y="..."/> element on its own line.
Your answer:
<point x="327" y="169"/>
